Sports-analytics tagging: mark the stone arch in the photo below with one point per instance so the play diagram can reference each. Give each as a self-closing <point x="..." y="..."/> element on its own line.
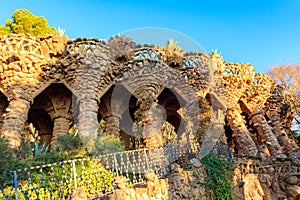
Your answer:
<point x="171" y="103"/>
<point x="115" y="112"/>
<point x="146" y="79"/>
<point x="142" y="73"/>
<point x="51" y="112"/>
<point x="3" y="106"/>
<point x="42" y="121"/>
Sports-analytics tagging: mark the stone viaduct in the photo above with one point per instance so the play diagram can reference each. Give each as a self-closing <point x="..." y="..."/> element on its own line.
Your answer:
<point x="52" y="82"/>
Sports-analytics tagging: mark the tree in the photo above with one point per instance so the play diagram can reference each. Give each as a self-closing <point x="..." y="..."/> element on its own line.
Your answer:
<point x="25" y="22"/>
<point x="289" y="77"/>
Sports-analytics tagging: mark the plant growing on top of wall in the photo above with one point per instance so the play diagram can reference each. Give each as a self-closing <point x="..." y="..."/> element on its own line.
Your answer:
<point x="172" y="52"/>
<point x="219" y="176"/>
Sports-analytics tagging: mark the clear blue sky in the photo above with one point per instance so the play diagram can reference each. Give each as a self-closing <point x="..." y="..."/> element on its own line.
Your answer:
<point x="262" y="32"/>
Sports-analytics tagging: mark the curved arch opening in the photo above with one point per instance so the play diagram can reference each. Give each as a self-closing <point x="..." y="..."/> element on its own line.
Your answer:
<point x="172" y="102"/>
<point x="116" y="115"/>
<point x="3" y="106"/>
<point x="50" y="116"/>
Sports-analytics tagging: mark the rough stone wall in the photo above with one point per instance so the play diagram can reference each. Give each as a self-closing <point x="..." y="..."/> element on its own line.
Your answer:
<point x="255" y="110"/>
<point x="266" y="178"/>
<point x="254" y="178"/>
<point x="72" y="81"/>
<point x="279" y="115"/>
<point x="88" y="68"/>
<point x="24" y="69"/>
<point x="179" y="185"/>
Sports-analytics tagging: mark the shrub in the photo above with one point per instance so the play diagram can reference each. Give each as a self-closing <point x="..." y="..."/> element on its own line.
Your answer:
<point x="107" y="144"/>
<point x="219" y="176"/>
<point x="57" y="182"/>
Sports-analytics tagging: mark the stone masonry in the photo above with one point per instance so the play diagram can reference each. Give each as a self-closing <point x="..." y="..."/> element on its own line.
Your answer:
<point x="53" y="82"/>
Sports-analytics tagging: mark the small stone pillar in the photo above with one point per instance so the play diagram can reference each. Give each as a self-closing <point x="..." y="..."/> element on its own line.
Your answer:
<point x="125" y="139"/>
<point x="241" y="134"/>
<point x="60" y="128"/>
<point x="112" y="125"/>
<point x="14" y="122"/>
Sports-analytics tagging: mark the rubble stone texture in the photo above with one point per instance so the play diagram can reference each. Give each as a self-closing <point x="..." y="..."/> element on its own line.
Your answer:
<point x="82" y="74"/>
<point x="180" y="185"/>
<point x="253" y="178"/>
<point x="52" y="81"/>
<point x="265" y="179"/>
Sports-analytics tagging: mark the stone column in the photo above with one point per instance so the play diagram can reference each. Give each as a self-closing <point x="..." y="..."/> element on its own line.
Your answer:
<point x="88" y="119"/>
<point x="125" y="139"/>
<point x="285" y="142"/>
<point x="45" y="128"/>
<point x="274" y="104"/>
<point x="265" y="133"/>
<point x="14" y="122"/>
<point x="60" y="128"/>
<point x="112" y="125"/>
<point x="152" y="132"/>
<point x="221" y="123"/>
<point x="214" y="133"/>
<point x="241" y="134"/>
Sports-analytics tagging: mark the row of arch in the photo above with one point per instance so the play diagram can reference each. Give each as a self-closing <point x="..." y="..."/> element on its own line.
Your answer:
<point x="80" y="90"/>
<point x="55" y="109"/>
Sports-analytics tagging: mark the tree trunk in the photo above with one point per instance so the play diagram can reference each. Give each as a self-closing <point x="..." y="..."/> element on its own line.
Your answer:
<point x="245" y="143"/>
<point x="266" y="135"/>
<point x="14" y="122"/>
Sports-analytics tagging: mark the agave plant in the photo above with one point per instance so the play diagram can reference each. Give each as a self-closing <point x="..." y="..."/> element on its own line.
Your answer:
<point x="40" y="150"/>
<point x="61" y="31"/>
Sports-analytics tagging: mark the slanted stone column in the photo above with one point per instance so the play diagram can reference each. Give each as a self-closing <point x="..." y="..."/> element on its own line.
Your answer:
<point x="265" y="134"/>
<point x="285" y="142"/>
<point x="215" y="131"/>
<point x="241" y="134"/>
<point x="14" y="122"/>
<point x="188" y="125"/>
<point x="91" y="78"/>
<point x="273" y="111"/>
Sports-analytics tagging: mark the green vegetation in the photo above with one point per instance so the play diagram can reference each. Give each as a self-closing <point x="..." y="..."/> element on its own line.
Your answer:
<point x="219" y="177"/>
<point x="91" y="174"/>
<point x="25" y="22"/>
<point x="107" y="144"/>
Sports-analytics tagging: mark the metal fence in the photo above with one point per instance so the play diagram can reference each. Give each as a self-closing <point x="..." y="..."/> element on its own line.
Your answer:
<point x="96" y="175"/>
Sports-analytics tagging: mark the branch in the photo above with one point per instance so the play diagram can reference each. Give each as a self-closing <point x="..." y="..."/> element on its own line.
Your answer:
<point x="295" y="107"/>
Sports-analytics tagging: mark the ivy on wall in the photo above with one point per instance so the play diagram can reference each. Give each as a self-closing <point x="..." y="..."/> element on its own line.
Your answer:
<point x="219" y="177"/>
